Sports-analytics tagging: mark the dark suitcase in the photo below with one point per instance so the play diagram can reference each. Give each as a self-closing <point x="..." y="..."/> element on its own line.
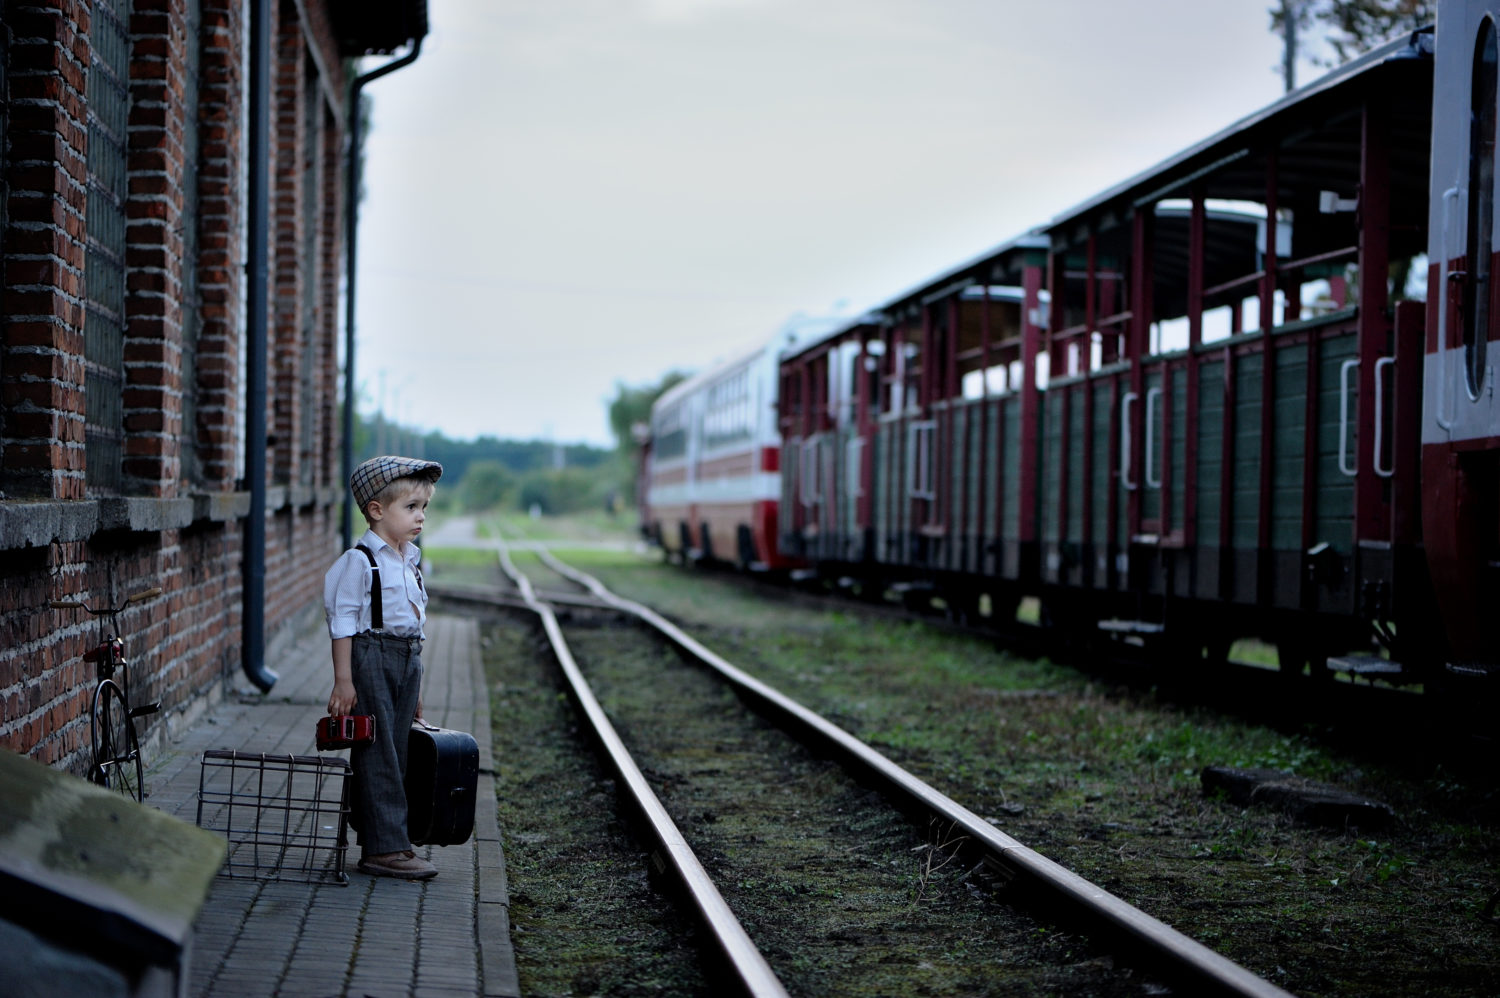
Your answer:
<point x="442" y="776"/>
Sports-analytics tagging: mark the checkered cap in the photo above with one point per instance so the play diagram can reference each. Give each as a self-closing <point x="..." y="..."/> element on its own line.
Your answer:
<point x="378" y="472"/>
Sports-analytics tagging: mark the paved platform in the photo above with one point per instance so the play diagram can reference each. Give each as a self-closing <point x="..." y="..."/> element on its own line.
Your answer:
<point x="449" y="936"/>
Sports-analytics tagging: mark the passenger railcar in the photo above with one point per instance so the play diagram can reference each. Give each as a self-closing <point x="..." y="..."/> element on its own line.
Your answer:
<point x="1216" y="401"/>
<point x="1188" y="420"/>
<point x="712" y="465"/>
<point x="1460" y="421"/>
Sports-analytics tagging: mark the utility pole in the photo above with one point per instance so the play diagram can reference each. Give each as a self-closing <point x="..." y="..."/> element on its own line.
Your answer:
<point x="1291" y="13"/>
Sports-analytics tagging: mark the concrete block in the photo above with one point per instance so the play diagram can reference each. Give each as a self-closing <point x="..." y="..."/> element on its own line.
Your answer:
<point x="1305" y="800"/>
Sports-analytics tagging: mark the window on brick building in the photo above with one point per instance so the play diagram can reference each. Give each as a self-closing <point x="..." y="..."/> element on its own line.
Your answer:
<point x="192" y="312"/>
<point x="108" y="96"/>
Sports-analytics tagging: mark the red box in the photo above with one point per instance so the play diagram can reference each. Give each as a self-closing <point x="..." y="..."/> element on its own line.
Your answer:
<point x="344" y="730"/>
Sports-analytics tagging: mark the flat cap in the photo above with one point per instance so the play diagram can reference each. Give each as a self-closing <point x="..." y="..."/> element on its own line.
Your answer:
<point x="378" y="472"/>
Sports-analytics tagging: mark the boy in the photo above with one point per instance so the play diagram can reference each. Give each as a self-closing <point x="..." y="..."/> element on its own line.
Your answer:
<point x="377" y="652"/>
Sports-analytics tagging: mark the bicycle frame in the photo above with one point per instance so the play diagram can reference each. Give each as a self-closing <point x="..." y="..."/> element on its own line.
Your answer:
<point x="116" y="756"/>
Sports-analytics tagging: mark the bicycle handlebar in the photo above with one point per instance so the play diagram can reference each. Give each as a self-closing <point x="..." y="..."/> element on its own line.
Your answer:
<point x="140" y="597"/>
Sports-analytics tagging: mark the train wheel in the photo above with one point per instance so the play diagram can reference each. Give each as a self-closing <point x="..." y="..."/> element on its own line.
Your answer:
<point x="1291" y="658"/>
<point x="745" y="548"/>
<point x="1298" y="657"/>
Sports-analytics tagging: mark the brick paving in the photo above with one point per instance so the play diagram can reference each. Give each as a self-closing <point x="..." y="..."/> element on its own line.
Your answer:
<point x="449" y="936"/>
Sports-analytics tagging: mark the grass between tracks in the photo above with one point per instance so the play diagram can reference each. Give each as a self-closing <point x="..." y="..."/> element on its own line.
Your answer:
<point x="1100" y="777"/>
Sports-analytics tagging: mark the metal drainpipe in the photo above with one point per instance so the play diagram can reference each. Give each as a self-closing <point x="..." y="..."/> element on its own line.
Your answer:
<point x="256" y="318"/>
<point x="351" y="214"/>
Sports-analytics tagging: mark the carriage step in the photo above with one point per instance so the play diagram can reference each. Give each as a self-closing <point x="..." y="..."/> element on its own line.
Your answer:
<point x="1131" y="626"/>
<point x="1473" y="670"/>
<point x="1364" y="665"/>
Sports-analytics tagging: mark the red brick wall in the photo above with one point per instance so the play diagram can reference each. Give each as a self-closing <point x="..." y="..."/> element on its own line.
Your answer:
<point x="221" y="250"/>
<point x="58" y="541"/>
<point x="154" y="249"/>
<point x="41" y="356"/>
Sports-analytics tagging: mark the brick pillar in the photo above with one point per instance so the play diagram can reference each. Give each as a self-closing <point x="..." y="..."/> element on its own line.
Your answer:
<point x="221" y="248"/>
<point x="154" y="248"/>
<point x="41" y="343"/>
<point x="289" y="103"/>
<point x="331" y="247"/>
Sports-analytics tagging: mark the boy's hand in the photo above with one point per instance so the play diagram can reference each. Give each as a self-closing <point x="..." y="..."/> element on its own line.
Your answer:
<point x="342" y="700"/>
<point x="419" y="706"/>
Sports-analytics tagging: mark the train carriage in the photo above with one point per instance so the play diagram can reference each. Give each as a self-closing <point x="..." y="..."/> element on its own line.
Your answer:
<point x="712" y="467"/>
<point x="905" y="486"/>
<point x="1460" y="422"/>
<point x="1248" y="392"/>
<point x="1201" y="428"/>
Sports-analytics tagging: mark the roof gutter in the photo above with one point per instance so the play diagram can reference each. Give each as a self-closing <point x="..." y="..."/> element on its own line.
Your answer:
<point x="256" y="320"/>
<point x="351" y="243"/>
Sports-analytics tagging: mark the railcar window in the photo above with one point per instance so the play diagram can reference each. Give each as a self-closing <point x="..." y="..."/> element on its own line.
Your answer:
<point x="728" y="417"/>
<point x="1481" y="205"/>
<point x="670" y="436"/>
<point x="911" y="360"/>
<point x="846" y="392"/>
<point x="874" y="358"/>
<point x="921" y="475"/>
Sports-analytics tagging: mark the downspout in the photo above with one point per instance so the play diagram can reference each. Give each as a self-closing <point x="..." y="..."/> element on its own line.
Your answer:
<point x="257" y="314"/>
<point x="351" y="243"/>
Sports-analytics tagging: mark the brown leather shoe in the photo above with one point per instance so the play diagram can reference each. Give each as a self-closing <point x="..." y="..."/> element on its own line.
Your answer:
<point x="400" y="865"/>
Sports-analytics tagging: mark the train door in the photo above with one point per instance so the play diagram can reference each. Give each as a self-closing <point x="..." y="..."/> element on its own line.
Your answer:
<point x="1461" y="414"/>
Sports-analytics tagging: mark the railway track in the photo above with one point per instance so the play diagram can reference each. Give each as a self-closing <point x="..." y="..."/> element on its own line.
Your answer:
<point x="822" y="813"/>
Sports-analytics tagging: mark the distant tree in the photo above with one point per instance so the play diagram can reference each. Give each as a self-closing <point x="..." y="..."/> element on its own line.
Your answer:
<point x="554" y="491"/>
<point x="1351" y="26"/>
<point x="485" y="485"/>
<point x="632" y="405"/>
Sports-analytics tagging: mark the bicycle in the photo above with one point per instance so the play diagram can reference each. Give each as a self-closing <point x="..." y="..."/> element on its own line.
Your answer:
<point x="116" y="758"/>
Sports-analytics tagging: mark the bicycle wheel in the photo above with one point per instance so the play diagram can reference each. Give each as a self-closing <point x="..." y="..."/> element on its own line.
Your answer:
<point x="117" y="753"/>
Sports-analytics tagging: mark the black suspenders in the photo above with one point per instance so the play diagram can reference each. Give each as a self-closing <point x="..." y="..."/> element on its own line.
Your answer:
<point x="377" y="617"/>
<point x="377" y="620"/>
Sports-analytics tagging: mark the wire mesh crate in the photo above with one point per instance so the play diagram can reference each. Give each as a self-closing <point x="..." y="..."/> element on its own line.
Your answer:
<point x="286" y="816"/>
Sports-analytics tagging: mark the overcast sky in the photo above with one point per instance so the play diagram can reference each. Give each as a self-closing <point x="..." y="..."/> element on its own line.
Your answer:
<point x="566" y="194"/>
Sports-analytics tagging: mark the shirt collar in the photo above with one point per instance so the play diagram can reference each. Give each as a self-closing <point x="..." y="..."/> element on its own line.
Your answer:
<point x="375" y="542"/>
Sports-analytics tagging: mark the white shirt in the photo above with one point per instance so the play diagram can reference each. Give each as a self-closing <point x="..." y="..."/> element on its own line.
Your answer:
<point x="346" y="591"/>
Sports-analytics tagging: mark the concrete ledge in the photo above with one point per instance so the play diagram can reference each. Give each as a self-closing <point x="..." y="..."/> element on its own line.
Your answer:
<point x="144" y="514"/>
<point x="220" y="507"/>
<point x="300" y="496"/>
<point x="1305" y="800"/>
<point x="37" y="524"/>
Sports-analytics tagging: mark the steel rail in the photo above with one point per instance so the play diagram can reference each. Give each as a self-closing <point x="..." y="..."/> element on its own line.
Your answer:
<point x="743" y="957"/>
<point x="1179" y="959"/>
<point x="487" y="595"/>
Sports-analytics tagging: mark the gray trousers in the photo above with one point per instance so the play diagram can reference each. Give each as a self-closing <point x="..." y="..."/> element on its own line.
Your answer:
<point x="387" y="673"/>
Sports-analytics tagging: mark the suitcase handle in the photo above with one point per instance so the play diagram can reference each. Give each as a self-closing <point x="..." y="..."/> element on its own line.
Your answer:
<point x="423" y="722"/>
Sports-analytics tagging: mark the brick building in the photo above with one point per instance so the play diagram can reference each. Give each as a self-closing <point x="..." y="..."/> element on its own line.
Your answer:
<point x="143" y="284"/>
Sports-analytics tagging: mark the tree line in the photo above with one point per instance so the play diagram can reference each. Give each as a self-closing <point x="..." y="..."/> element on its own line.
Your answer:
<point x="491" y="473"/>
